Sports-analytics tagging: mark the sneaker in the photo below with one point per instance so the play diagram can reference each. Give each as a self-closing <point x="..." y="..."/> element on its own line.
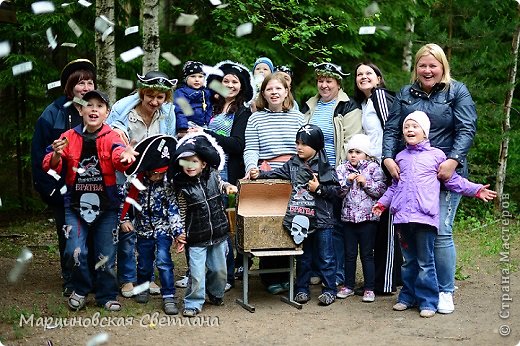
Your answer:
<point x="344" y="292"/>
<point x="76" y="302"/>
<point x="190" y="312"/>
<point x="427" y="313"/>
<point x="400" y="307"/>
<point x="112" y="305"/>
<point x="228" y="287"/>
<point x="182" y="283"/>
<point x="169" y="306"/>
<point x="326" y="298"/>
<point x="239" y="273"/>
<point x="214" y="300"/>
<point x="154" y="288"/>
<point x="445" y="305"/>
<point x="369" y="296"/>
<point x="315" y="280"/>
<point x="127" y="290"/>
<point x="143" y="297"/>
<point x="275" y="289"/>
<point x="301" y="297"/>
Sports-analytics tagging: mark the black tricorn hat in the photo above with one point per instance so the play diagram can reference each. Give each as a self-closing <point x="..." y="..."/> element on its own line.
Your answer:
<point x="156" y="80"/>
<point x="204" y="146"/>
<point x="154" y="152"/>
<point x="243" y="74"/>
<point x="75" y="65"/>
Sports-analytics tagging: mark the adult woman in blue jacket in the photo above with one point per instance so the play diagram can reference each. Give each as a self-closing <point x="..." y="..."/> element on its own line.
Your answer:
<point x="453" y="118"/>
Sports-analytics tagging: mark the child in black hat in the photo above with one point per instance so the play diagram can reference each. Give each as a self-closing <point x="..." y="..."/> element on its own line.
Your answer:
<point x="155" y="217"/>
<point x="309" y="216"/>
<point x="198" y="97"/>
<point x="199" y="192"/>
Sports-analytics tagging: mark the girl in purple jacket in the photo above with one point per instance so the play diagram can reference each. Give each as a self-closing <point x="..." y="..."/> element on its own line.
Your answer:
<point x="414" y="202"/>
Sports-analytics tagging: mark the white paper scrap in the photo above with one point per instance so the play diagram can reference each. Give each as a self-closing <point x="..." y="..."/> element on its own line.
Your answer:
<point x="172" y="59"/>
<point x="244" y="29"/>
<point x="141" y="288"/>
<point x="186" y="19"/>
<point x="40" y="7"/>
<point x="106" y="33"/>
<point x="5" y="48"/>
<point x="123" y="83"/>
<point x="98" y="339"/>
<point x="84" y="3"/>
<point x="219" y="88"/>
<point x="134" y="203"/>
<point x="22" y="260"/>
<point x="51" y="38"/>
<point x="131" y="30"/>
<point x="185" y="106"/>
<point x="101" y="262"/>
<point x="101" y="25"/>
<point x="74" y="27"/>
<point x="131" y="54"/>
<point x="223" y="6"/>
<point x="371" y="9"/>
<point x="215" y="2"/>
<point x="137" y="183"/>
<point x="68" y="44"/>
<point x="212" y="70"/>
<point x="22" y="68"/>
<point x="367" y="30"/>
<point x="53" y="85"/>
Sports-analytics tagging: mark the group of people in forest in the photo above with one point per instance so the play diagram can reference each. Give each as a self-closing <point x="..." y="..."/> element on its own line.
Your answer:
<point x="377" y="173"/>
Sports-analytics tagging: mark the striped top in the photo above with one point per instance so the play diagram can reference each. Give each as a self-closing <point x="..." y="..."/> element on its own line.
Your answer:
<point x="323" y="118"/>
<point x="271" y="134"/>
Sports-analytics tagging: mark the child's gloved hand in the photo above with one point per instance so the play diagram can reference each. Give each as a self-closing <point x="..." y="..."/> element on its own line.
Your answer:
<point x="378" y="209"/>
<point x="485" y="194"/>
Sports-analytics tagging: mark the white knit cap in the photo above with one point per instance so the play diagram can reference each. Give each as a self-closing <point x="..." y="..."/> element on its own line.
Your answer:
<point x="420" y="118"/>
<point x="360" y="142"/>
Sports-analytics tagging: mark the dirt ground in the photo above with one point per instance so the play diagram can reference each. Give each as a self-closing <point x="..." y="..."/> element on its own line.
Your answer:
<point x="349" y="321"/>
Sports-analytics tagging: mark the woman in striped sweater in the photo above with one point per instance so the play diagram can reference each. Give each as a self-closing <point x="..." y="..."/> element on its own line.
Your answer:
<point x="270" y="135"/>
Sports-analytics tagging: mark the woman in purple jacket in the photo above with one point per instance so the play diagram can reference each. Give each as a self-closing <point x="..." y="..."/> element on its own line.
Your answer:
<point x="414" y="203"/>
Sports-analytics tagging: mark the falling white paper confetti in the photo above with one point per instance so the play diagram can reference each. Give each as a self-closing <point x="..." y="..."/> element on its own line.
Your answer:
<point x="106" y="33"/>
<point x="123" y="83"/>
<point x="371" y="9"/>
<point x="137" y="183"/>
<point x="67" y="104"/>
<point x="134" y="203"/>
<point x="98" y="339"/>
<point x="68" y="44"/>
<point x="79" y="170"/>
<point x="53" y="174"/>
<point x="22" y="68"/>
<point x="63" y="189"/>
<point x="108" y="21"/>
<point x="172" y="59"/>
<point x="212" y="70"/>
<point x="74" y="27"/>
<point x="5" y="48"/>
<point x="186" y="19"/>
<point x="53" y="85"/>
<point x="84" y="3"/>
<point x="367" y="30"/>
<point x="102" y="261"/>
<point x="131" y="54"/>
<point x="79" y="101"/>
<point x="223" y="6"/>
<point x="141" y="288"/>
<point x="65" y="4"/>
<point x="219" y="88"/>
<point x="244" y="29"/>
<point x="215" y="2"/>
<point x="24" y="257"/>
<point x="101" y="25"/>
<point x="40" y="7"/>
<point x="185" y="106"/>
<point x="51" y="38"/>
<point x="131" y="30"/>
<point x="1" y="202"/>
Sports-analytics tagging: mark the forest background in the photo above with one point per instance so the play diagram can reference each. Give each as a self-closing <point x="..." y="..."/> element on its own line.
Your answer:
<point x="477" y="35"/>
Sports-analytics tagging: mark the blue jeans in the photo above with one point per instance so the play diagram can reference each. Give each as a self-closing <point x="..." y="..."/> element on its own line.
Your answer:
<point x="339" y="253"/>
<point x="420" y="285"/>
<point x="146" y="249"/>
<point x="104" y="230"/>
<point x="212" y="258"/>
<point x="361" y="234"/>
<point x="327" y="264"/>
<point x="445" y="254"/>
<point x="126" y="271"/>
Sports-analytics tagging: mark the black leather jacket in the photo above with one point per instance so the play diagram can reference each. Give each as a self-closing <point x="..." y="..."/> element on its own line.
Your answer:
<point x="452" y="115"/>
<point x="200" y="201"/>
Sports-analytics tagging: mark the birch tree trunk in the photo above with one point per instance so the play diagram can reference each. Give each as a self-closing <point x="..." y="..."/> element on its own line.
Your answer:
<point x="151" y="42"/>
<point x="407" y="51"/>
<point x="105" y="52"/>
<point x="506" y="125"/>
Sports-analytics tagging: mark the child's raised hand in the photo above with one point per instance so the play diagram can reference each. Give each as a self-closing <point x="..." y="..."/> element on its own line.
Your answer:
<point x="128" y="156"/>
<point x="127" y="227"/>
<point x="378" y="209"/>
<point x="314" y="183"/>
<point x="485" y="194"/>
<point x="59" y="144"/>
<point x="230" y="189"/>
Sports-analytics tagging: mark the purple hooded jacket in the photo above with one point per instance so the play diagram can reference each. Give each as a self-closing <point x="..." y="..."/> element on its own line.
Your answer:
<point x="415" y="196"/>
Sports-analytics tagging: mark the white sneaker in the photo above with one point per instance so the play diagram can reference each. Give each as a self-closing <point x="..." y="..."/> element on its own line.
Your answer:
<point x="445" y="303"/>
<point x="154" y="288"/>
<point x="182" y="283"/>
<point x="228" y="287"/>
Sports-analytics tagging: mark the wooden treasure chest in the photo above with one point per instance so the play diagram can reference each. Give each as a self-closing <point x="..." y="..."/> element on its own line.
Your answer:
<point x="261" y="206"/>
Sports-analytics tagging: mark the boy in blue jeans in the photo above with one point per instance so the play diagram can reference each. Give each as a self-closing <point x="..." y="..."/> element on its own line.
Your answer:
<point x="155" y="217"/>
<point x="199" y="192"/>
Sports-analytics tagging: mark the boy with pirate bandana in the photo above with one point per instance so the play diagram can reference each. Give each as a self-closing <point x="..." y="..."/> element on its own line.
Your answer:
<point x="92" y="152"/>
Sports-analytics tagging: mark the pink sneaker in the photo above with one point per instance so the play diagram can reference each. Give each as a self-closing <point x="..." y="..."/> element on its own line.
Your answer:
<point x="344" y="292"/>
<point x="369" y="296"/>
